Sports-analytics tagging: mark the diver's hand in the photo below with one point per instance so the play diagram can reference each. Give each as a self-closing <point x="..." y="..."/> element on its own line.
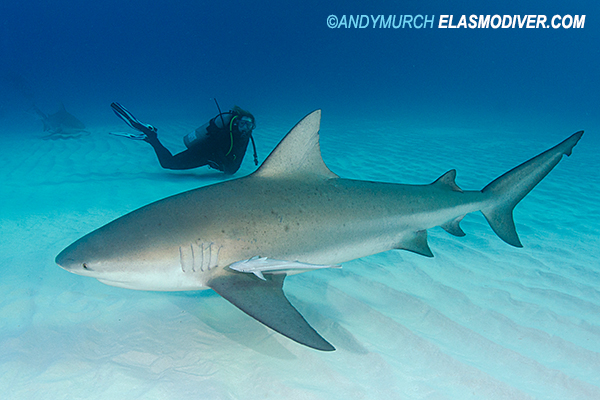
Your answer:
<point x="214" y="165"/>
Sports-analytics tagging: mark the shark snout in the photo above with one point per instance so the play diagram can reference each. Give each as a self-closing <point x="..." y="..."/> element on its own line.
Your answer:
<point x="65" y="260"/>
<point x="70" y="262"/>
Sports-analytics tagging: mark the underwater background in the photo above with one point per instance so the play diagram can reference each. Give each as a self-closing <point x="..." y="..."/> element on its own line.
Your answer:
<point x="480" y="320"/>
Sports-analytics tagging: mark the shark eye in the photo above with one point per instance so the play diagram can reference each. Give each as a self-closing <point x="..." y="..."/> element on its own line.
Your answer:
<point x="84" y="265"/>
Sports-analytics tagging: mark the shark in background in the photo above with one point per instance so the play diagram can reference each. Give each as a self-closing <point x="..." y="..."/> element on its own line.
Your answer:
<point x="61" y="124"/>
<point x="18" y="97"/>
<point x="243" y="237"/>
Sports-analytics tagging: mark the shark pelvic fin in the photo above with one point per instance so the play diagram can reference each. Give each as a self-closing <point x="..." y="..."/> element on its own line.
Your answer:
<point x="265" y="301"/>
<point x="417" y="244"/>
<point x="299" y="153"/>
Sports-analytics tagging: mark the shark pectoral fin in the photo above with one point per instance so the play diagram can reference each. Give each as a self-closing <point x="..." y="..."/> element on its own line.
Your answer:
<point x="417" y="244"/>
<point x="259" y="275"/>
<point x="266" y="302"/>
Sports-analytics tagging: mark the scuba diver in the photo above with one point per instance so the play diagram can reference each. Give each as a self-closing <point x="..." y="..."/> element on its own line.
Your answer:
<point x="221" y="143"/>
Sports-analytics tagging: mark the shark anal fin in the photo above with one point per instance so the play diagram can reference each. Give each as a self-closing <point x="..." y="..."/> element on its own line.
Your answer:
<point x="453" y="227"/>
<point x="417" y="244"/>
<point x="265" y="301"/>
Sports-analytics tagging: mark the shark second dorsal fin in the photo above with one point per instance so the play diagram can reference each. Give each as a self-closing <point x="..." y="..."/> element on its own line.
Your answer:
<point x="448" y="181"/>
<point x="298" y="153"/>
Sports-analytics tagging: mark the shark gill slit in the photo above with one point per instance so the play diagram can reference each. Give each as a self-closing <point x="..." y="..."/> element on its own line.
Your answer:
<point x="182" y="259"/>
<point x="203" y="261"/>
<point x="215" y="262"/>
<point x="193" y="257"/>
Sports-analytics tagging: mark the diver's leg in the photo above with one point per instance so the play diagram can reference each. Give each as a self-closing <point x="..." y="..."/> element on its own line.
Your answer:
<point x="187" y="159"/>
<point x="164" y="155"/>
<point x="191" y="158"/>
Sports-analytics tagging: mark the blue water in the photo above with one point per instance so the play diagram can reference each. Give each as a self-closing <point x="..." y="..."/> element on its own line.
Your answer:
<point x="480" y="320"/>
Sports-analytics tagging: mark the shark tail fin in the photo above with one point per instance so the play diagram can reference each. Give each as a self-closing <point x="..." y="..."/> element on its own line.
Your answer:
<point x="509" y="189"/>
<point x="35" y="110"/>
<point x="41" y="116"/>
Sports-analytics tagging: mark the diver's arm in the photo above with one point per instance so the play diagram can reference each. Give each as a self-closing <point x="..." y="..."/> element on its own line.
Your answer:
<point x="232" y="163"/>
<point x="231" y="167"/>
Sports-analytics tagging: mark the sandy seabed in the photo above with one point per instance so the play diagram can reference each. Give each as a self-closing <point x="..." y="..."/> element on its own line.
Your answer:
<point x="480" y="320"/>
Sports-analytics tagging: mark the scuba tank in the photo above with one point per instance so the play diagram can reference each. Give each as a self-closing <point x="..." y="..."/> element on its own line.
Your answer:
<point x="200" y="134"/>
<point x="196" y="136"/>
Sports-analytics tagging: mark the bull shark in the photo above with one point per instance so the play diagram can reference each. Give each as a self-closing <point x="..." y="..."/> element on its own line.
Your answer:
<point x="242" y="237"/>
<point x="61" y="124"/>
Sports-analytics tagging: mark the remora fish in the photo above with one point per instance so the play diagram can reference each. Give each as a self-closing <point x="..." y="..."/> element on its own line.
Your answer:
<point x="229" y="236"/>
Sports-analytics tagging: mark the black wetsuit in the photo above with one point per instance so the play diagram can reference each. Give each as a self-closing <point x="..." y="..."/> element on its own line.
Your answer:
<point x="222" y="148"/>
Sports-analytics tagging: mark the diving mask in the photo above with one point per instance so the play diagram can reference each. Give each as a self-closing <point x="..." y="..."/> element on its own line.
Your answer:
<point x="245" y="125"/>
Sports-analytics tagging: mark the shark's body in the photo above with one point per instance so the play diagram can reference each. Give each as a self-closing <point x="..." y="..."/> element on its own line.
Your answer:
<point x="242" y="237"/>
<point x="61" y="124"/>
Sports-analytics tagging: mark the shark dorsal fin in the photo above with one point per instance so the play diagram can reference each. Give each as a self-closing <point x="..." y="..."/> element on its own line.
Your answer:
<point x="298" y="153"/>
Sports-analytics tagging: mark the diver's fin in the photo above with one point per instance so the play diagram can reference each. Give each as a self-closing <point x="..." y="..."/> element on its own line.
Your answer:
<point x="130" y="120"/>
<point x="266" y="302"/>
<point x="134" y="136"/>
<point x="260" y="265"/>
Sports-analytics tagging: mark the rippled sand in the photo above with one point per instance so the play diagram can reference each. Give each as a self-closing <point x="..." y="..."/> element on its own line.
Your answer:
<point x="481" y="320"/>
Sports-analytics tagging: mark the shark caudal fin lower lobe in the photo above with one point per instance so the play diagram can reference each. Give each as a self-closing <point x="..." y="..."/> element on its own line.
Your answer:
<point x="509" y="189"/>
